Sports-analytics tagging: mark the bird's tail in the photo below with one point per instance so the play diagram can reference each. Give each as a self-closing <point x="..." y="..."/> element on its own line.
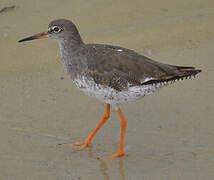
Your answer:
<point x="187" y="72"/>
<point x="182" y="73"/>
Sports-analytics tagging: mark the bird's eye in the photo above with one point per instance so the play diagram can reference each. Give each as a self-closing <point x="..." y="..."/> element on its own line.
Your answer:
<point x="56" y="29"/>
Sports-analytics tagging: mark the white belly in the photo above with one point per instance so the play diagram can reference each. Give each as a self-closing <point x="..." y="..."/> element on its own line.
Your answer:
<point x="112" y="96"/>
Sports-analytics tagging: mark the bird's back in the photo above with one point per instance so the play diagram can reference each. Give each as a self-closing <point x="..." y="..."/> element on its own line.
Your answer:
<point x="114" y="74"/>
<point x="121" y="68"/>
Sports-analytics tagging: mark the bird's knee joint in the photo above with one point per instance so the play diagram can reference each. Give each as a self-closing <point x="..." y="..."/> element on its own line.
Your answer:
<point x="106" y="116"/>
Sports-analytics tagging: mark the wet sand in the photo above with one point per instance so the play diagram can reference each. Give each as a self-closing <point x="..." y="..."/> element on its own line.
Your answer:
<point x="170" y="133"/>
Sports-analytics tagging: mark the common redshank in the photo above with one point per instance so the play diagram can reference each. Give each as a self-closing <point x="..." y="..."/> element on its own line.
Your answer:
<point x="112" y="74"/>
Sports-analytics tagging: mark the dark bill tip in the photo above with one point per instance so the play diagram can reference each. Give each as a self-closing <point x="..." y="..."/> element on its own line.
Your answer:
<point x="36" y="36"/>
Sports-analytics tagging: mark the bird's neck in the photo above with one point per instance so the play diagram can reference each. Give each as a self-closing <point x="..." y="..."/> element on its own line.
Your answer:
<point x="69" y="46"/>
<point x="68" y="49"/>
<point x="71" y="42"/>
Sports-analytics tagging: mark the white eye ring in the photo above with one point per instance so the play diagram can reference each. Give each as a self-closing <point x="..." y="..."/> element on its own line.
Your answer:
<point x="54" y="29"/>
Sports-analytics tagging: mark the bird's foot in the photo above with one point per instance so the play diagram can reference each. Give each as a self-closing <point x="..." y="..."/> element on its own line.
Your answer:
<point x="82" y="145"/>
<point x="119" y="154"/>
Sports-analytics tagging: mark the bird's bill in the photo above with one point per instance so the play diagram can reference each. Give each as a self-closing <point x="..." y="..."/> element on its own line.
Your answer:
<point x="36" y="36"/>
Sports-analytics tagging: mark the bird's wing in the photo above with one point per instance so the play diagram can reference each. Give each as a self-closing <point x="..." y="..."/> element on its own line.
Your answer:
<point x="121" y="68"/>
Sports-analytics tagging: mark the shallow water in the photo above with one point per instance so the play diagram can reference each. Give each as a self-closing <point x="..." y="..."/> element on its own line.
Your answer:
<point x="170" y="133"/>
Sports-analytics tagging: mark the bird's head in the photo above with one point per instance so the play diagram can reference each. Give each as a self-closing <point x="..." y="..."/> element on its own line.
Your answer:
<point x="60" y="30"/>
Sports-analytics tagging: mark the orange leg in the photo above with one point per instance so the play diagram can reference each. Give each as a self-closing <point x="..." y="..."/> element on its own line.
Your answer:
<point x="86" y="143"/>
<point x="122" y="136"/>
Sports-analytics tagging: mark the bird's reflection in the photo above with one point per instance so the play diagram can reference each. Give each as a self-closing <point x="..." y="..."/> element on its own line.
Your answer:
<point x="121" y="170"/>
<point x="105" y="169"/>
